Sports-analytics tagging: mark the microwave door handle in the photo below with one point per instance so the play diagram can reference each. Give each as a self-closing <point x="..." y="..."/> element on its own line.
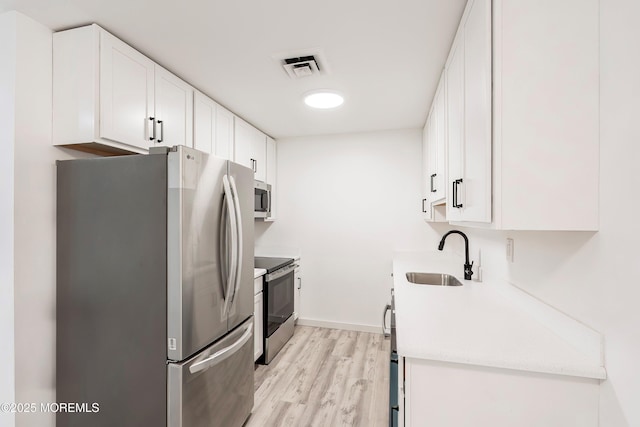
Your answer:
<point x="223" y="354"/>
<point x="268" y="203"/>
<point x="239" y="245"/>
<point x="231" y="279"/>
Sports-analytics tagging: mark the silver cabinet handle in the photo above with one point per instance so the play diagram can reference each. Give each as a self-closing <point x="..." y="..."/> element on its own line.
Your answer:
<point x="385" y="331"/>
<point x="299" y="282"/>
<point x="223" y="354"/>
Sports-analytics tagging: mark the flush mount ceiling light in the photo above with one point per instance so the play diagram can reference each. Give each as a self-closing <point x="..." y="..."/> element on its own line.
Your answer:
<point x="323" y="99"/>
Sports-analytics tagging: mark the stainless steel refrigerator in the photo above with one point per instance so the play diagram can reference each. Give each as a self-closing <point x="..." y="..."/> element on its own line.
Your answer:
<point x="155" y="290"/>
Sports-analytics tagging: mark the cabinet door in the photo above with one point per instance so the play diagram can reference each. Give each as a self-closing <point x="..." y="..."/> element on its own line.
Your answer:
<point x="250" y="148"/>
<point x="438" y="145"/>
<point x="174" y="109"/>
<point x="271" y="174"/>
<point x="477" y="113"/>
<point x="296" y="291"/>
<point x="432" y="155"/>
<point x="224" y="133"/>
<point x="257" y="325"/>
<point x="126" y="93"/>
<point x="204" y="123"/>
<point x="426" y="171"/>
<point x="455" y="129"/>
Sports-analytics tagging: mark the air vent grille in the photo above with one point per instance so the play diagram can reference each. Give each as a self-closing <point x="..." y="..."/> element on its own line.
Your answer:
<point x="302" y="66"/>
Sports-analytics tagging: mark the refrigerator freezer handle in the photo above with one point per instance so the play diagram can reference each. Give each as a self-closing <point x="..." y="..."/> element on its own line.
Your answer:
<point x="231" y="206"/>
<point x="240" y="248"/>
<point x="223" y="354"/>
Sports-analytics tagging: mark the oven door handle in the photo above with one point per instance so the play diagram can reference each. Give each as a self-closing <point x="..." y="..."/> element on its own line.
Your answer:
<point x="385" y="331"/>
<point x="282" y="272"/>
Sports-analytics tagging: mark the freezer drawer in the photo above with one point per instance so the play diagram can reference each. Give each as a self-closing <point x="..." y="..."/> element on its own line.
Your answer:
<point x="214" y="388"/>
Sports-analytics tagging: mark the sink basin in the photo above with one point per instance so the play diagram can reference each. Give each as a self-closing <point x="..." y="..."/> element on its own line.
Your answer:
<point x="435" y="279"/>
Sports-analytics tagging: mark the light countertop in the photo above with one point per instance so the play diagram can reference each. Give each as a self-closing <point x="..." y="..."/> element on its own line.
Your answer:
<point x="477" y="324"/>
<point x="257" y="272"/>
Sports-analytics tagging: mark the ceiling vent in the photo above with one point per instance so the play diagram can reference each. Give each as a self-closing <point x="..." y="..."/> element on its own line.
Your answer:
<point x="303" y="66"/>
<point x="305" y="63"/>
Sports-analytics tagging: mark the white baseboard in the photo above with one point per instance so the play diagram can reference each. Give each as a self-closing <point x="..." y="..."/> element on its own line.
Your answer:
<point x="338" y="325"/>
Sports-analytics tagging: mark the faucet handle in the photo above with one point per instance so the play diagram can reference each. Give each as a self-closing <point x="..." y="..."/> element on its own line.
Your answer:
<point x="468" y="272"/>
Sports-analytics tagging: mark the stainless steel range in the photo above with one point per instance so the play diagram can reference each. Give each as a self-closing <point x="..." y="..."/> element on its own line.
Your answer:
<point x="278" y="303"/>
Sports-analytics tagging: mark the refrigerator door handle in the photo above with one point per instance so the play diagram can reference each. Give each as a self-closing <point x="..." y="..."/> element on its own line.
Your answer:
<point x="223" y="354"/>
<point x="223" y="248"/>
<point x="239" y="246"/>
<point x="231" y="207"/>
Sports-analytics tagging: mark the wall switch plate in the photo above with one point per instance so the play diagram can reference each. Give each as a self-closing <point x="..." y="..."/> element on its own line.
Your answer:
<point x="509" y="250"/>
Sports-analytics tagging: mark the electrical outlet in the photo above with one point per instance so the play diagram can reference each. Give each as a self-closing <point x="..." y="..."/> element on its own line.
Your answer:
<point x="510" y="249"/>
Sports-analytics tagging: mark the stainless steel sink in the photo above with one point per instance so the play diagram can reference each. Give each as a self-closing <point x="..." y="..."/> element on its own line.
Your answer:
<point x="435" y="279"/>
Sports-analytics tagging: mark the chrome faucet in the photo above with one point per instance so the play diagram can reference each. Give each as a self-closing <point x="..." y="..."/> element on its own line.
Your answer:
<point x="467" y="267"/>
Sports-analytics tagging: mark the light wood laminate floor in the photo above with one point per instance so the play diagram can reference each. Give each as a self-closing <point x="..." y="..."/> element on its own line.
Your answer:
<point x="324" y="377"/>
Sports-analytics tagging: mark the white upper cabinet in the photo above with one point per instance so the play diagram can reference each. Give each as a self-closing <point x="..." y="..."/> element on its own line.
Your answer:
<point x="468" y="77"/>
<point x="224" y="133"/>
<point x="437" y="147"/>
<point x="204" y="123"/>
<point x="212" y="127"/>
<point x="173" y="109"/>
<point x="455" y="129"/>
<point x="251" y="148"/>
<point x="272" y="164"/>
<point x="477" y="114"/>
<point x="426" y="190"/>
<point x="434" y="156"/>
<point x="108" y="98"/>
<point x="546" y="114"/>
<point x="522" y="116"/>
<point x="126" y="93"/>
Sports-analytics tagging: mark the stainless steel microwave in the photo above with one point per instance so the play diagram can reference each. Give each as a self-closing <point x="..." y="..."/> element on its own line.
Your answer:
<point x="262" y="200"/>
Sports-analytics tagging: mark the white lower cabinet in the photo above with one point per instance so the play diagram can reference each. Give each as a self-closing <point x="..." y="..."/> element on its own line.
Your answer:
<point x="459" y="395"/>
<point x="296" y="289"/>
<point x="258" y="324"/>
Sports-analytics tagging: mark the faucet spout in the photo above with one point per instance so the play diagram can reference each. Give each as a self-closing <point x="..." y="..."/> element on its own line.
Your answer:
<point x="468" y="272"/>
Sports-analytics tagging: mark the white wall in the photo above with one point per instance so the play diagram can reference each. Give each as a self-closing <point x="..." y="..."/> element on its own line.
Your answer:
<point x="595" y="276"/>
<point x="7" y="114"/>
<point x="34" y="222"/>
<point x="348" y="201"/>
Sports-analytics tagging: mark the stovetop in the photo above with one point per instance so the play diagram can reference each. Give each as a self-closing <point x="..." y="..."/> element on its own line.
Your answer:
<point x="271" y="264"/>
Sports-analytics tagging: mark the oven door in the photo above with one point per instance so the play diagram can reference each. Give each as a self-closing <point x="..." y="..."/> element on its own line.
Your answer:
<point x="278" y="298"/>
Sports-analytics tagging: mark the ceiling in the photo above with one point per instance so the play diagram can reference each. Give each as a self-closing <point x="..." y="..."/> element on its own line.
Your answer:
<point x="384" y="57"/>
